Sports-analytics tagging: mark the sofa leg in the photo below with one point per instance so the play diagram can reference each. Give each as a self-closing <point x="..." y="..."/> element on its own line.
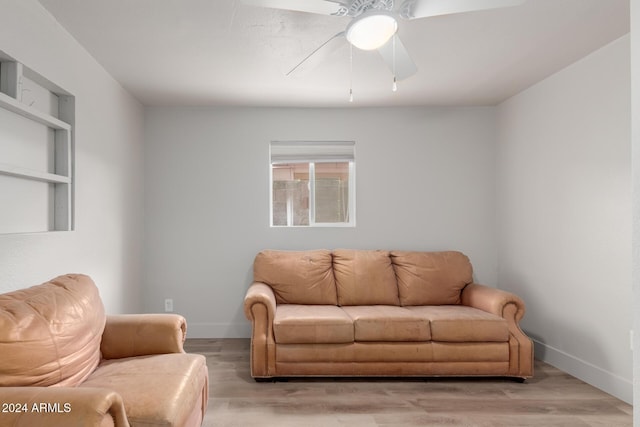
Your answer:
<point x="518" y="379"/>
<point x="272" y="380"/>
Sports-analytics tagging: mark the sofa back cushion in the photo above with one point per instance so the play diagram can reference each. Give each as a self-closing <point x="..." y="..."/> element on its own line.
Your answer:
<point x="50" y="334"/>
<point x="431" y="278"/>
<point x="364" y="277"/>
<point x="304" y="277"/>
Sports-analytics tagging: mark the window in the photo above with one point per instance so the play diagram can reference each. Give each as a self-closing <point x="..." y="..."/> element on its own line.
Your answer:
<point x="312" y="184"/>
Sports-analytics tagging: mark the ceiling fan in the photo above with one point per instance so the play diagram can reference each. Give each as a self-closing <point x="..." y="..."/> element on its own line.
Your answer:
<point x="375" y="23"/>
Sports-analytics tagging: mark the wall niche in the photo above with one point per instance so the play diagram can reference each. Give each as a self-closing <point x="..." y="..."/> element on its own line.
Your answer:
<point x="37" y="118"/>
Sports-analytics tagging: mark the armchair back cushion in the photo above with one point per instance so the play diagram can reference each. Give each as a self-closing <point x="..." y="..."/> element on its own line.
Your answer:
<point x="297" y="277"/>
<point x="50" y="334"/>
<point x="364" y="278"/>
<point x="431" y="278"/>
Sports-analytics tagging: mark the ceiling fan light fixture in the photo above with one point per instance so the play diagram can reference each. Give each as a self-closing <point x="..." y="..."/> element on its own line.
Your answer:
<point x="371" y="29"/>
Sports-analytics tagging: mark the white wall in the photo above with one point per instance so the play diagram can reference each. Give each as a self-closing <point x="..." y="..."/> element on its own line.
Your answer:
<point x="107" y="241"/>
<point x="564" y="204"/>
<point x="635" y="159"/>
<point x="424" y="181"/>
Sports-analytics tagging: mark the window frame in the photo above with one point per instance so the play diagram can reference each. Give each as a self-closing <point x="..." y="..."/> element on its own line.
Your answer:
<point x="325" y="157"/>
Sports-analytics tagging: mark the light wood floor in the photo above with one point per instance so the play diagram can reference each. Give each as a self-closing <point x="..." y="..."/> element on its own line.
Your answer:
<point x="551" y="398"/>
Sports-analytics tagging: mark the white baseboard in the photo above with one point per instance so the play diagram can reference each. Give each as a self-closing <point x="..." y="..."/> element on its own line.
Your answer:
<point x="615" y="385"/>
<point x="218" y="330"/>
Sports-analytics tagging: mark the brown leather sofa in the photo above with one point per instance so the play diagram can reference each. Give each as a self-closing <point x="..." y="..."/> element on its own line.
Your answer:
<point x="381" y="313"/>
<point x="63" y="362"/>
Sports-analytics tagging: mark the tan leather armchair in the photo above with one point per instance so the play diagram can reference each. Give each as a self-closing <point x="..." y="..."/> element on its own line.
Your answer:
<point x="64" y="363"/>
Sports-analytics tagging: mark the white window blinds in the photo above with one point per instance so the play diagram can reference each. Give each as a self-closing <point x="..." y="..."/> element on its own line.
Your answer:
<point x="312" y="151"/>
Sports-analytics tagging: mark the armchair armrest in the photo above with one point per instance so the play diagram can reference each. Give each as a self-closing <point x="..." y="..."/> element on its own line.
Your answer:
<point x="260" y="309"/>
<point x="61" y="407"/>
<point x="129" y="335"/>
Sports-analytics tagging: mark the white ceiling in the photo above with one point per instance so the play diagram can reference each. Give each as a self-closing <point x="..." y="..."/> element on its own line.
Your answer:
<point x="222" y="52"/>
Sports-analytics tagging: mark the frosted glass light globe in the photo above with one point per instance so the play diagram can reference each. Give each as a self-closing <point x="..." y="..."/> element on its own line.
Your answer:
<point x="371" y="30"/>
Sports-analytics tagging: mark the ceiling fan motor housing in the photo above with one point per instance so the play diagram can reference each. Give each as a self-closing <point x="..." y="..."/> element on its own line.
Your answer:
<point x="358" y="7"/>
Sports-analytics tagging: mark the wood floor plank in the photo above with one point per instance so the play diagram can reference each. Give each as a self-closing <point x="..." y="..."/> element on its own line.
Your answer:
<point x="552" y="398"/>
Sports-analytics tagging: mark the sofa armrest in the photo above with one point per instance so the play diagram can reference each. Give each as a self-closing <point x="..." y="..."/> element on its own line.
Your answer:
<point x="511" y="308"/>
<point x="259" y="293"/>
<point x="493" y="300"/>
<point x="260" y="309"/>
<point x="61" y="407"/>
<point x="129" y="335"/>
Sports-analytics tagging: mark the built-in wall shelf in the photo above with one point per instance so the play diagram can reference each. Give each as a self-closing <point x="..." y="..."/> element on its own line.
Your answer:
<point x="27" y="173"/>
<point x="36" y="151"/>
<point x="11" y="104"/>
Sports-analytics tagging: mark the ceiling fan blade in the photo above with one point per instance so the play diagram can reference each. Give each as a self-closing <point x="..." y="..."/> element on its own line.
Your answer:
<point x="412" y="9"/>
<point x="323" y="7"/>
<point x="399" y="62"/>
<point x="324" y="49"/>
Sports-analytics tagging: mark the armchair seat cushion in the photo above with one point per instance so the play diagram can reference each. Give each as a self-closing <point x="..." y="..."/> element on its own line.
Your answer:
<point x="157" y="390"/>
<point x="457" y="323"/>
<point x="386" y="323"/>
<point x="321" y="324"/>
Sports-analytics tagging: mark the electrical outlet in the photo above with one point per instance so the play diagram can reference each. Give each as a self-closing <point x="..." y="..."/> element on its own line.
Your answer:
<point x="168" y="305"/>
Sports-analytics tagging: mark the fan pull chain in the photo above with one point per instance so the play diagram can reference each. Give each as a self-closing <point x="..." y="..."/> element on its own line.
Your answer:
<point x="394" y="86"/>
<point x="350" y="72"/>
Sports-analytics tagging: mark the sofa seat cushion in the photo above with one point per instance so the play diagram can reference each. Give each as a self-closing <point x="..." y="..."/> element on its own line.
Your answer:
<point x="318" y="324"/>
<point x="387" y="323"/>
<point x="158" y="390"/>
<point x="459" y="323"/>
<point x="364" y="278"/>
